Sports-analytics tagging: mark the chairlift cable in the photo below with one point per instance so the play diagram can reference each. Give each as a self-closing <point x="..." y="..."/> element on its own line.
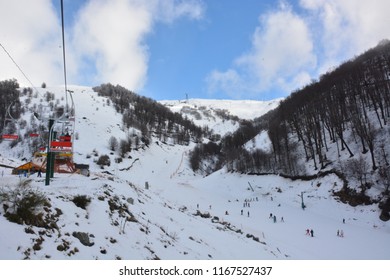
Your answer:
<point x="63" y="53"/>
<point x="20" y="69"/>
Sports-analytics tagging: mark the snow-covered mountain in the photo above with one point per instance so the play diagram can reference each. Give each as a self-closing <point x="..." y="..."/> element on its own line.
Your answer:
<point x="151" y="205"/>
<point x="220" y="115"/>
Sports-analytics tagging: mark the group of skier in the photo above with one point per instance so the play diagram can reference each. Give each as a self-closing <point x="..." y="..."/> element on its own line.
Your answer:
<point x="247" y="201"/>
<point x="273" y="217"/>
<point x="310" y="232"/>
<point x="340" y="233"/>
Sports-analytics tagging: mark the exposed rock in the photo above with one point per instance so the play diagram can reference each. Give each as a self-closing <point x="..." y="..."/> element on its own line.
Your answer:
<point x="83" y="237"/>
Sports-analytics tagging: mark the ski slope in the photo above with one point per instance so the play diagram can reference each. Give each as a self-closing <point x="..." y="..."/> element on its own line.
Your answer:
<point x="166" y="201"/>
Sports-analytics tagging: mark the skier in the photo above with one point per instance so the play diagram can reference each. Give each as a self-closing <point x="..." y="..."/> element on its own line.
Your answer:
<point x="312" y="233"/>
<point x="226" y="212"/>
<point x="341" y="233"/>
<point x="248" y="213"/>
<point x="39" y="173"/>
<point x="274" y="219"/>
<point x="282" y="220"/>
<point x="242" y="212"/>
<point x="270" y="215"/>
<point x="338" y="233"/>
<point x="307" y="231"/>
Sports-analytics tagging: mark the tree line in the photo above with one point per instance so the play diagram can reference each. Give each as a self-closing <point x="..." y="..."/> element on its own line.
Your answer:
<point x="151" y="117"/>
<point x="9" y="98"/>
<point x="346" y="108"/>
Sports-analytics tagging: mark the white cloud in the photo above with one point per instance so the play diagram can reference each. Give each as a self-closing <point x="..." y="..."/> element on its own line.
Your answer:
<point x="31" y="34"/>
<point x="107" y="37"/>
<point x="281" y="49"/>
<point x="169" y="10"/>
<point x="229" y="82"/>
<point x="292" y="46"/>
<point x="111" y="33"/>
<point x="349" y="27"/>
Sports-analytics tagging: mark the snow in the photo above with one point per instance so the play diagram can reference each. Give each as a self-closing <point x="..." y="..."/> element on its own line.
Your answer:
<point x="244" y="109"/>
<point x="260" y="141"/>
<point x="167" y="226"/>
<point x="203" y="111"/>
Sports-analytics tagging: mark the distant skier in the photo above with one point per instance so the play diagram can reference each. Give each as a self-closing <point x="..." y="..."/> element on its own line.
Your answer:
<point x="338" y="233"/>
<point x="248" y="213"/>
<point x="226" y="212"/>
<point x="282" y="220"/>
<point x="242" y="212"/>
<point x="307" y="231"/>
<point x="312" y="233"/>
<point x="270" y="215"/>
<point x="274" y="219"/>
<point x="39" y="173"/>
<point x="341" y="233"/>
<point x="343" y="221"/>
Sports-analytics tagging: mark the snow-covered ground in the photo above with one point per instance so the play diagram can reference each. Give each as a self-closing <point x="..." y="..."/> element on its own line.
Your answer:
<point x="204" y="112"/>
<point x="150" y="206"/>
<point x="244" y="109"/>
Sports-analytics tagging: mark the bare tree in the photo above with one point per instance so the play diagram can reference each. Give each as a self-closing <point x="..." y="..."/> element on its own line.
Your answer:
<point x="113" y="143"/>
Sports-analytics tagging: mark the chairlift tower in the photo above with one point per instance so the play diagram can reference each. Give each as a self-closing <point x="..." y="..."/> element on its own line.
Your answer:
<point x="61" y="130"/>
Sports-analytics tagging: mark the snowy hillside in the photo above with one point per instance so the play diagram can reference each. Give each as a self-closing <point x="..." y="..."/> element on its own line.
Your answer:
<point x="220" y="115"/>
<point x="150" y="205"/>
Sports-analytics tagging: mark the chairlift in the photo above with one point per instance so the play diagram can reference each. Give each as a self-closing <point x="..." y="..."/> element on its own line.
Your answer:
<point x="11" y="126"/>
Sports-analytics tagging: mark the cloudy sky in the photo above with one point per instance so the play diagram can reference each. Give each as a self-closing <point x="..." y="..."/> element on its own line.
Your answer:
<point x="165" y="49"/>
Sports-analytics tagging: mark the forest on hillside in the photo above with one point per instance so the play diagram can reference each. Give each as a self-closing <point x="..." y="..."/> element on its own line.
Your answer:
<point x="347" y="110"/>
<point x="151" y="117"/>
<point x="10" y="106"/>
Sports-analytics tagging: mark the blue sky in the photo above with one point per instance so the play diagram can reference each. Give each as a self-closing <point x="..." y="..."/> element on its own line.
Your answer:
<point x="165" y="49"/>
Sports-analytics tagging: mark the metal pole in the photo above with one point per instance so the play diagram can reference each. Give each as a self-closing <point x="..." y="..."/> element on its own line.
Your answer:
<point x="49" y="154"/>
